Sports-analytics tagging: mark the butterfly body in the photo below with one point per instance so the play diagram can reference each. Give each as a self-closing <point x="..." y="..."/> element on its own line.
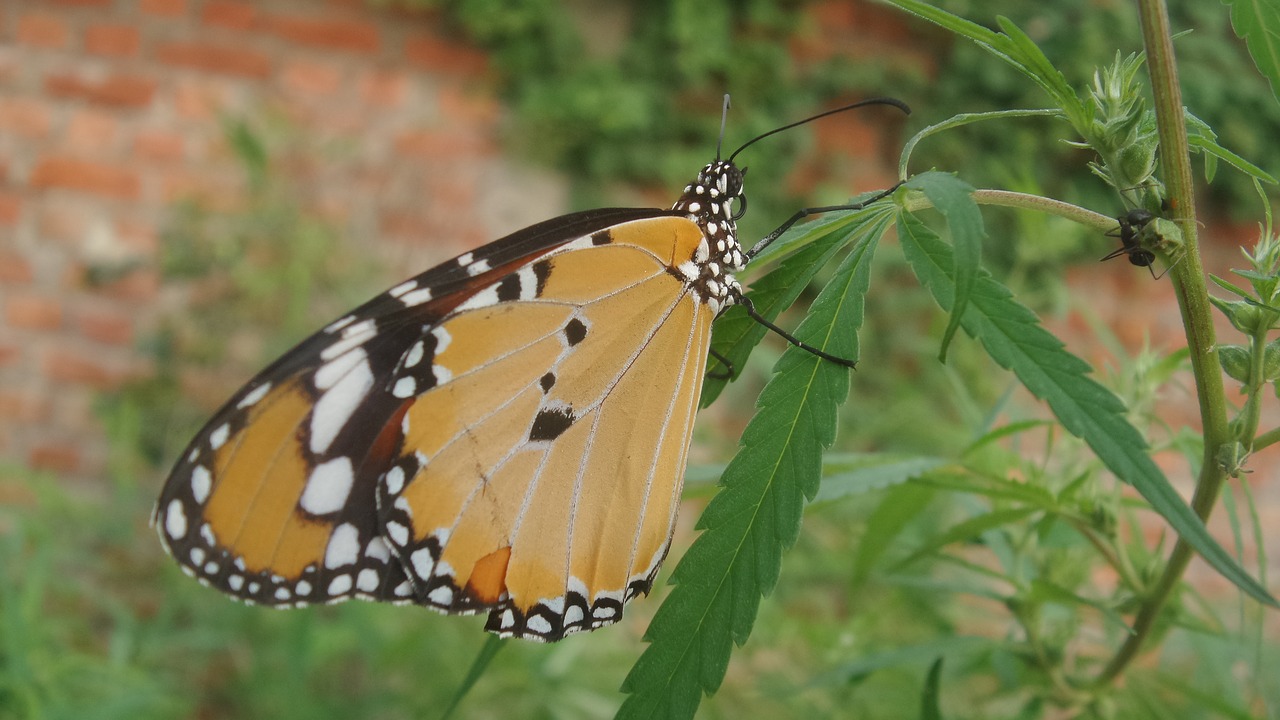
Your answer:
<point x="504" y="433"/>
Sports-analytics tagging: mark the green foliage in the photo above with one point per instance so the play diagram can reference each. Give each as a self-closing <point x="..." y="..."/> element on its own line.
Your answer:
<point x="756" y="515"/>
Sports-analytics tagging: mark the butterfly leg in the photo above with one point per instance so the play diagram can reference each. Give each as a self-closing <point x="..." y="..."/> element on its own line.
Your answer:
<point x="747" y="305"/>
<point x="802" y="214"/>
<point x="728" y="373"/>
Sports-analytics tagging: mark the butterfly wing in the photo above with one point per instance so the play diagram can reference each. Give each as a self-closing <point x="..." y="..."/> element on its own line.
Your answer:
<point x="545" y="434"/>
<point x="274" y="500"/>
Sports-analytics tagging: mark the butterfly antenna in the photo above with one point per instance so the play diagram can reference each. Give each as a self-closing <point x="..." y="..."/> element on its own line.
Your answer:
<point x="871" y="101"/>
<point x="724" y="118"/>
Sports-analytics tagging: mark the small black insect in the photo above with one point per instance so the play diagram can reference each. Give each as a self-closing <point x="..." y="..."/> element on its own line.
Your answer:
<point x="1131" y="225"/>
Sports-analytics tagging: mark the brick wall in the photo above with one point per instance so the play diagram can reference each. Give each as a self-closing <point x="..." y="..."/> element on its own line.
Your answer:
<point x="112" y="110"/>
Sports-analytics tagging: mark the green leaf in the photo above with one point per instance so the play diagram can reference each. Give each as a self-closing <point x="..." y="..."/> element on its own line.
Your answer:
<point x="929" y="697"/>
<point x="969" y="529"/>
<point x="1201" y="137"/>
<point x="737" y="558"/>
<point x="959" y="647"/>
<point x="865" y="472"/>
<point x="1257" y="22"/>
<point x="735" y="334"/>
<point x="1012" y="336"/>
<point x="477" y="670"/>
<point x="1013" y="47"/>
<point x="965" y="119"/>
<point x="953" y="197"/>
<point x="899" y="507"/>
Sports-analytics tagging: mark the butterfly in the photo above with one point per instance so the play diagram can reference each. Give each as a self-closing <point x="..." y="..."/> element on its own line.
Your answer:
<point x="504" y="433"/>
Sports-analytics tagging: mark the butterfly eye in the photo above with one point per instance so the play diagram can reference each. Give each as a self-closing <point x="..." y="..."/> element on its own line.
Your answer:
<point x="742" y="208"/>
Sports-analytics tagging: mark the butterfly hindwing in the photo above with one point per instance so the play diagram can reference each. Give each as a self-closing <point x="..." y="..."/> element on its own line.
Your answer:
<point x="541" y="472"/>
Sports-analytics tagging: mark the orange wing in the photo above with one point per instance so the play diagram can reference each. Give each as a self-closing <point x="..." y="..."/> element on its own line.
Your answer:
<point x="540" y="474"/>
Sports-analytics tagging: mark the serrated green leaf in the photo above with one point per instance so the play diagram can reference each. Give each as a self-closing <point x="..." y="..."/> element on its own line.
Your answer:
<point x="874" y="471"/>
<point x="735" y="334"/>
<point x="969" y="529"/>
<point x="953" y="197"/>
<point x="737" y="558"/>
<point x="1257" y="22"/>
<point x="1012" y="336"/>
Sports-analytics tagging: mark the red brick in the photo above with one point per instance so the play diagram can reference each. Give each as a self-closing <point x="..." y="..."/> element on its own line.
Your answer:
<point x="139" y="286"/>
<point x="159" y="145"/>
<point x="436" y="54"/>
<point x="215" y="58"/>
<point x="381" y="88"/>
<point x="82" y="368"/>
<point x="347" y="35"/>
<point x="25" y="117"/>
<point x="26" y="405"/>
<point x="41" y="30"/>
<point x="139" y="237"/>
<point x="81" y="3"/>
<point x="111" y="40"/>
<point x="437" y="144"/>
<point x="106" y="326"/>
<point x="119" y="90"/>
<point x="62" y="219"/>
<point x="229" y="14"/>
<point x="57" y="458"/>
<point x="35" y="312"/>
<point x="10" y="209"/>
<point x="91" y="132"/>
<point x="86" y="176"/>
<point x="14" y="268"/>
<point x="10" y="353"/>
<point x="309" y="78"/>
<point x="165" y="8"/>
<point x="467" y="107"/>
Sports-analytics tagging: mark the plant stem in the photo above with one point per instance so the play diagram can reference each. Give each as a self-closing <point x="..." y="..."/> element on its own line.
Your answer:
<point x="1006" y="198"/>
<point x="1193" y="300"/>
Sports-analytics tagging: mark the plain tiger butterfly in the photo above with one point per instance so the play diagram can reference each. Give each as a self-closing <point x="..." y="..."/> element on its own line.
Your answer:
<point x="505" y="433"/>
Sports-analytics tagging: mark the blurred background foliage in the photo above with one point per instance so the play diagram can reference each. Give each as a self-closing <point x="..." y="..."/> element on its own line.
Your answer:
<point x="94" y="623"/>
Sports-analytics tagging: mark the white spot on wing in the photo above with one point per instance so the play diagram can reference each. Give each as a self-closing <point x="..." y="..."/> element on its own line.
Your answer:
<point x="539" y="624"/>
<point x="482" y="299"/>
<point x="340" y="585"/>
<point x="334" y="370"/>
<point x="328" y="487"/>
<point x="417" y="297"/>
<point x="414" y="356"/>
<point x="423" y="563"/>
<point x="367" y="580"/>
<point x="377" y="549"/>
<point x="337" y="325"/>
<point x="344" y="546"/>
<point x="442" y="595"/>
<point x="443" y="338"/>
<point x="253" y="397"/>
<point x="175" y="520"/>
<point x="399" y="534"/>
<point x="402" y="288"/>
<point x="219" y="436"/>
<point x="335" y="406"/>
<point x="201" y="483"/>
<point x="465" y="259"/>
<point x="405" y="387"/>
<point x="478" y="267"/>
<point x="394" y="480"/>
<point x="352" y="336"/>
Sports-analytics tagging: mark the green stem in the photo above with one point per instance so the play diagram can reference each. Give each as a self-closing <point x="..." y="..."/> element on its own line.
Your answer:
<point x="1193" y="300"/>
<point x="1006" y="198"/>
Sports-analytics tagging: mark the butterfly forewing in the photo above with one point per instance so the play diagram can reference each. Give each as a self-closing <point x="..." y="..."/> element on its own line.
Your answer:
<point x="274" y="500"/>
